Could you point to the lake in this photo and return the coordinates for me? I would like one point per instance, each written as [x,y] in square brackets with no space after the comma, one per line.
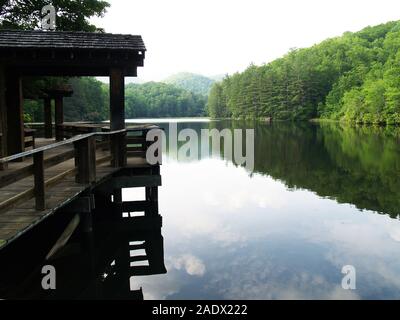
[321,197]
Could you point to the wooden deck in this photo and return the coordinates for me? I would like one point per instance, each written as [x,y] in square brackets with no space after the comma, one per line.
[18,213]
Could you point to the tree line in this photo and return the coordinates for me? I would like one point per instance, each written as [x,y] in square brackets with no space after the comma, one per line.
[156,100]
[90,101]
[355,77]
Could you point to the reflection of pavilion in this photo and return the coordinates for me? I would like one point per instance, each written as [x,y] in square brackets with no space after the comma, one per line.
[102,256]
[121,250]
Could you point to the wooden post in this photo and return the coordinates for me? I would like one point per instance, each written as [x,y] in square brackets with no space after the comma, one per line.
[117,99]
[117,116]
[152,195]
[85,160]
[59,115]
[117,195]
[118,150]
[48,120]
[15,121]
[152,199]
[38,170]
[3,118]
[87,222]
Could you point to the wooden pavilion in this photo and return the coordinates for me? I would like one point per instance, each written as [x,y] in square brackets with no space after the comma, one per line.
[67,54]
[85,172]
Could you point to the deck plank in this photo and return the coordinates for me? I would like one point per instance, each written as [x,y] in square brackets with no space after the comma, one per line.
[20,218]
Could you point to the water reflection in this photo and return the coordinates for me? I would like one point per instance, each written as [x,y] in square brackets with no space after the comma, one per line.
[356,165]
[320,197]
[97,265]
[286,230]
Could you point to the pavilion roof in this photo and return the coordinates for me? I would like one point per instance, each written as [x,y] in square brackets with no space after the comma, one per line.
[36,39]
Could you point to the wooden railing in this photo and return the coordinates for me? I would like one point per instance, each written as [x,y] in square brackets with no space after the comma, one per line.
[69,130]
[84,153]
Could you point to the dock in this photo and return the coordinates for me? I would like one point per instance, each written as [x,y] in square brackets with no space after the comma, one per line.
[63,187]
[67,174]
[39,177]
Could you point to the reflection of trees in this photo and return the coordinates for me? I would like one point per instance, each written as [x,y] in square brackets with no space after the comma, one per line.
[352,165]
[357,165]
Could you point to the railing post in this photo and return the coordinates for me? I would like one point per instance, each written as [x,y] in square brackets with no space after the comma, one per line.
[85,160]
[105,139]
[118,150]
[38,171]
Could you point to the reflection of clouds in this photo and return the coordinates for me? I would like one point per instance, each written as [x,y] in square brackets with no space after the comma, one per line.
[369,242]
[213,209]
[262,278]
[215,188]
[161,287]
[339,294]
[210,205]
[365,234]
[191,264]
[394,229]
[157,287]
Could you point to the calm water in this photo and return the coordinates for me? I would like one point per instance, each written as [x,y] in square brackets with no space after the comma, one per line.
[321,197]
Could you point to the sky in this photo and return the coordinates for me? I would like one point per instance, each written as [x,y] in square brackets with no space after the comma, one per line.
[215,37]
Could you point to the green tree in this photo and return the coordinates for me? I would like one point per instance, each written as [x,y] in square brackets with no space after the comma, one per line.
[354,77]
[71,15]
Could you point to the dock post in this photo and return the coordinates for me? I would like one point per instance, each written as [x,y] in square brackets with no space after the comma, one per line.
[117,116]
[87,216]
[3,118]
[87,222]
[15,121]
[85,160]
[118,150]
[38,170]
[48,121]
[152,199]
[117,195]
[59,115]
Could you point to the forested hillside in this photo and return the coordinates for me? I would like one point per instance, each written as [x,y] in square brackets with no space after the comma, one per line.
[90,102]
[355,77]
[155,99]
[192,82]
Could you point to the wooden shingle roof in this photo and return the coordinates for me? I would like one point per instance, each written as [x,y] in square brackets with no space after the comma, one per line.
[17,39]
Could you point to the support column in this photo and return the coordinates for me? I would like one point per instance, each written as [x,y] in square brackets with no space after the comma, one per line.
[117,195]
[48,119]
[117,116]
[59,115]
[3,117]
[15,121]
[117,99]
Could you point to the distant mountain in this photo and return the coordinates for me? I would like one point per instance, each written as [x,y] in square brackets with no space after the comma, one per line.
[218,77]
[192,82]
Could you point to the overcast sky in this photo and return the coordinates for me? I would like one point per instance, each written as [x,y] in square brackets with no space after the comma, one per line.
[213,37]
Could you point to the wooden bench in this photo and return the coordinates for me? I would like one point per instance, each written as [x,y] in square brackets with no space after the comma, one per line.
[29,138]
